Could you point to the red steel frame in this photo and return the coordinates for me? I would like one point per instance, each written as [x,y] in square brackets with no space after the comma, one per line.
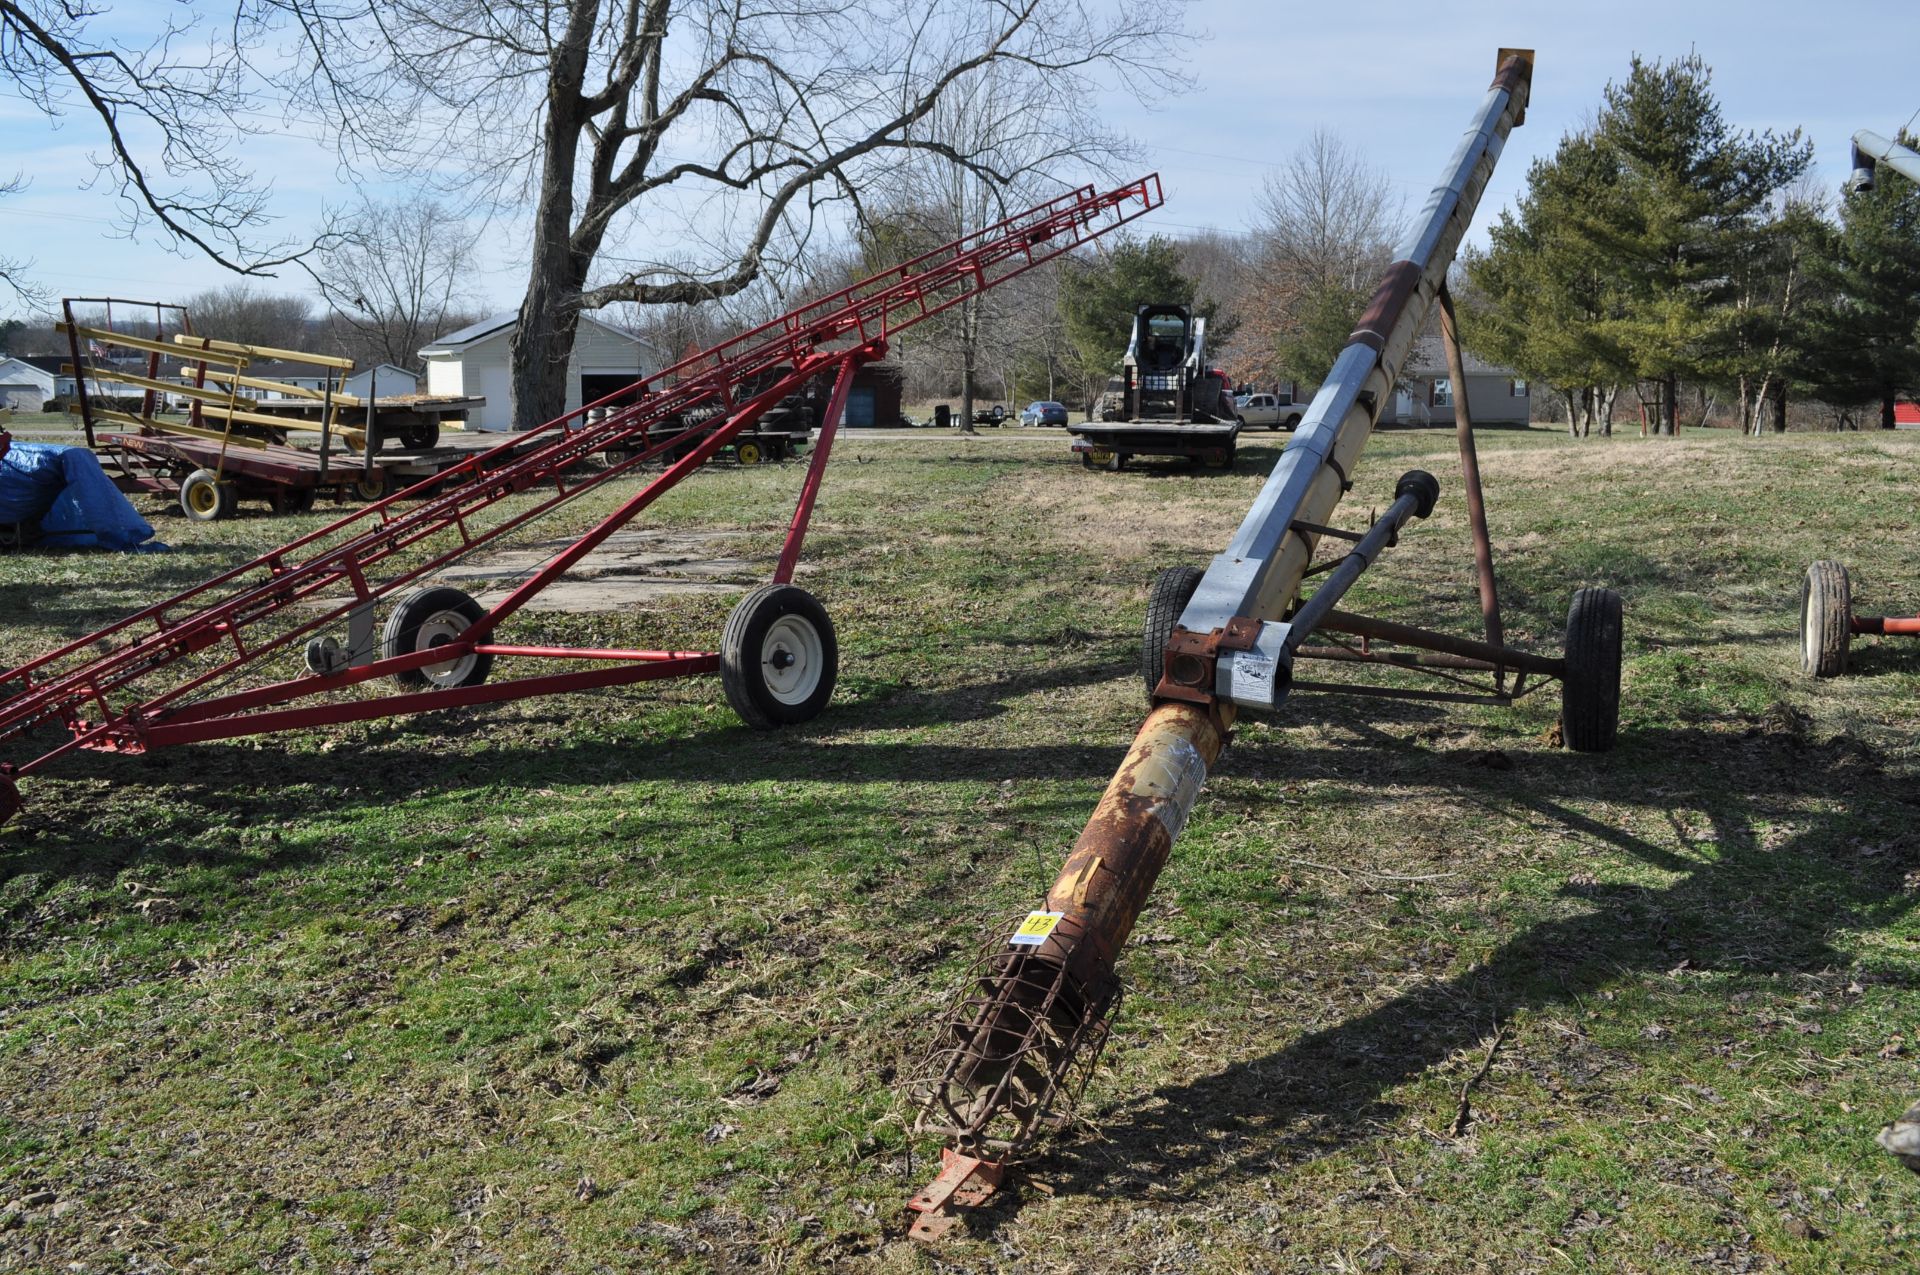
[98,674]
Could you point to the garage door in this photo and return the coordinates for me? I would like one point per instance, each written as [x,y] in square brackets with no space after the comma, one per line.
[860,405]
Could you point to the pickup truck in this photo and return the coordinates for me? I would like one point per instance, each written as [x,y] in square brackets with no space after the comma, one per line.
[1274,411]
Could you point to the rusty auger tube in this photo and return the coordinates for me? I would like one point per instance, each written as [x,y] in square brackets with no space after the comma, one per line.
[1020,1038]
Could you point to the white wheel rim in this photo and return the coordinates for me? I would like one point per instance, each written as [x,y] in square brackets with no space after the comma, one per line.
[792,658]
[1809,629]
[437,630]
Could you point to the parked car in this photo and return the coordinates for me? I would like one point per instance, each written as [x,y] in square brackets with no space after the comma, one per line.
[1044,414]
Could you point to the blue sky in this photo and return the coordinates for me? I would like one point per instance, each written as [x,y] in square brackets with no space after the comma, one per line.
[1396,80]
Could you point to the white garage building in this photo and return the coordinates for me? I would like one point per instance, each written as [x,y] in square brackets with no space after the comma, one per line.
[476,360]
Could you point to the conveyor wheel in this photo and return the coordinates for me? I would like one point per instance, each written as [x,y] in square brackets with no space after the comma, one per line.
[1172,590]
[427,618]
[1590,688]
[778,657]
[204,498]
[1826,620]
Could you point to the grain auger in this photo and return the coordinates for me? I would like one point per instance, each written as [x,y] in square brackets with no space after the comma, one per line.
[1016,1045]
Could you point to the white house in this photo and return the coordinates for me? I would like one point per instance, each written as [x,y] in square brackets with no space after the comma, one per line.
[1495,395]
[475,361]
[24,387]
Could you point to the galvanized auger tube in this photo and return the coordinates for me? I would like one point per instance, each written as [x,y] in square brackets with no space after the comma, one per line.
[1019,1040]
[1870,149]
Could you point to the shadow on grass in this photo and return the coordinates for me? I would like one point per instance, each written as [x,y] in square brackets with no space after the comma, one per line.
[1741,905]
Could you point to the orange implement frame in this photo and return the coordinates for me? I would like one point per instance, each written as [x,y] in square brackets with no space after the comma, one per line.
[163,675]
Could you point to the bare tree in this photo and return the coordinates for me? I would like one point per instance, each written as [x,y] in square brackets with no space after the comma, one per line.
[1328,225]
[14,271]
[241,312]
[395,272]
[680,149]
[169,113]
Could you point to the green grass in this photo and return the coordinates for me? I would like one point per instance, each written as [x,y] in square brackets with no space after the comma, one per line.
[610,982]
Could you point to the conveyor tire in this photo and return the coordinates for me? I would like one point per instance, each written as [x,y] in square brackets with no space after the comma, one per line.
[1826,619]
[1173,588]
[204,498]
[1590,688]
[778,657]
[432,617]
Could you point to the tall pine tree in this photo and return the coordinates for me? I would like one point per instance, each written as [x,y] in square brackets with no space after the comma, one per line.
[1677,220]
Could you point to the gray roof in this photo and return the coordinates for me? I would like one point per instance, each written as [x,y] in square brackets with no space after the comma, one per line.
[474,333]
[1429,358]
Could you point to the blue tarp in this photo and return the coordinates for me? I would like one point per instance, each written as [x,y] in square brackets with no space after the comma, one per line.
[70,496]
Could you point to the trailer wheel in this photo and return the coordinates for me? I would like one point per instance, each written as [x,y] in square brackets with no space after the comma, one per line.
[1826,619]
[293,500]
[374,484]
[1590,689]
[204,498]
[420,435]
[747,453]
[1173,588]
[427,618]
[778,657]
[1116,461]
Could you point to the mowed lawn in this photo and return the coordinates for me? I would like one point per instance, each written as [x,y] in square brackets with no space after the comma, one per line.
[609,982]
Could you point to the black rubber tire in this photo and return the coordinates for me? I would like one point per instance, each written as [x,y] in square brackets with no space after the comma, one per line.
[1590,689]
[748,452]
[1293,422]
[420,435]
[377,485]
[778,620]
[1826,619]
[293,500]
[430,617]
[1172,589]
[204,498]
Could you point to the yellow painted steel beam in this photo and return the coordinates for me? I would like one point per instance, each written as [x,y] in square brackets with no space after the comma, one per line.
[260,351]
[291,391]
[170,427]
[108,337]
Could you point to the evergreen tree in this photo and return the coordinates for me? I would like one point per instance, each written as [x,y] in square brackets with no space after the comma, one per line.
[1539,292]
[1676,221]
[1099,295]
[1864,337]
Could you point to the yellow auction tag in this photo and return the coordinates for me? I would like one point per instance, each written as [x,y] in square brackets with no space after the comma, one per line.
[1034,930]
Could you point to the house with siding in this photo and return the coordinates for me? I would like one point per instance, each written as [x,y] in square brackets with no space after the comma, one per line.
[476,360]
[23,386]
[1425,396]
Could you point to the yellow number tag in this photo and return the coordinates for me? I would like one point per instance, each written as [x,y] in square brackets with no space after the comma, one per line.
[1034,930]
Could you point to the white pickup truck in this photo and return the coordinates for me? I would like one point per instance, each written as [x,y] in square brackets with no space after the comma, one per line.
[1275,411]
